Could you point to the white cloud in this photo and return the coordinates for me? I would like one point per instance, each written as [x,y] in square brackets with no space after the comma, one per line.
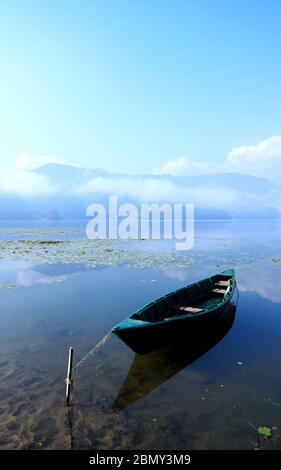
[26,161]
[25,183]
[184,166]
[176,273]
[149,190]
[24,274]
[262,159]
[263,280]
[27,278]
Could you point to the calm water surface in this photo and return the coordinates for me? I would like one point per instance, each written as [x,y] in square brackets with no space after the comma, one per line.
[123,401]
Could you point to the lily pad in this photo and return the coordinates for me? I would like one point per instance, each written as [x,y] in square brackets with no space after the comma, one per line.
[264,431]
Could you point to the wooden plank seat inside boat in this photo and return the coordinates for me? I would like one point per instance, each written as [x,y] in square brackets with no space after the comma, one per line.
[220,291]
[221,286]
[181,310]
[190,309]
[222,283]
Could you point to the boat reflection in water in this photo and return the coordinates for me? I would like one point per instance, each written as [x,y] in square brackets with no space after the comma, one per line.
[149,371]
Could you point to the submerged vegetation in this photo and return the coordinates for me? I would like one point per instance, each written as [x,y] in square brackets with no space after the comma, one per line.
[58,245]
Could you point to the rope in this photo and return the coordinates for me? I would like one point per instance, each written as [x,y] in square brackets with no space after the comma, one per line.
[94,350]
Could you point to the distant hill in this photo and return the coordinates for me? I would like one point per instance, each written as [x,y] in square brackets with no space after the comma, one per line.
[61,175]
[270,213]
[67,175]
[233,195]
[233,181]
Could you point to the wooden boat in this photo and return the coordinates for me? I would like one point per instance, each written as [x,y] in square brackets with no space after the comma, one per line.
[194,307]
[148,372]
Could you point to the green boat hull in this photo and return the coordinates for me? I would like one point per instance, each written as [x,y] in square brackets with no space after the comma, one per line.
[149,371]
[166,320]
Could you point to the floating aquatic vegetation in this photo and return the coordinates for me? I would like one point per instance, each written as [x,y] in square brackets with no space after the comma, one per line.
[275,260]
[67,246]
[264,436]
[265,431]
[8,285]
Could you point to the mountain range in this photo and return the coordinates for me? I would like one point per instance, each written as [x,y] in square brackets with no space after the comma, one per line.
[216,196]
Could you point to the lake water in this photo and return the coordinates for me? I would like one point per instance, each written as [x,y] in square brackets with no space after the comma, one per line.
[123,401]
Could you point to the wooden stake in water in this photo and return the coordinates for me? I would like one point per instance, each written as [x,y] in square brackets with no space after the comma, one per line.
[68,379]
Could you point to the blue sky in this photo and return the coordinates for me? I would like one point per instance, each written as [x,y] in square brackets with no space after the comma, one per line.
[130,85]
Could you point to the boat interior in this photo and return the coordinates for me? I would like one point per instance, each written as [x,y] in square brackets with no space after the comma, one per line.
[190,300]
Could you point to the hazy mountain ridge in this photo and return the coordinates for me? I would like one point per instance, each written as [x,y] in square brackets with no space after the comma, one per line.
[61,174]
[233,195]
